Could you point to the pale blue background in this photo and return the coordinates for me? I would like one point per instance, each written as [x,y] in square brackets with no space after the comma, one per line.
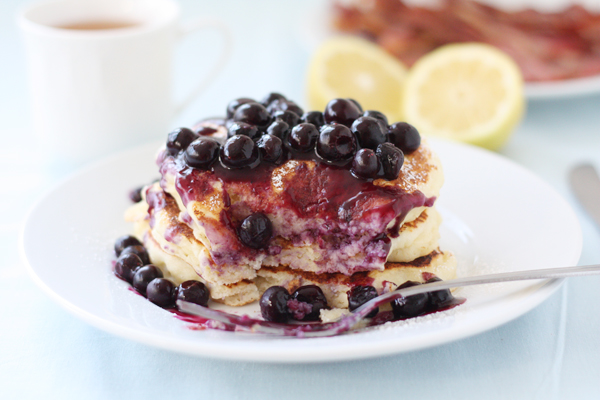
[553,352]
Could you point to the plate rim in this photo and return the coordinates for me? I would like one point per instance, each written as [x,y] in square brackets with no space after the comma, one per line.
[563,89]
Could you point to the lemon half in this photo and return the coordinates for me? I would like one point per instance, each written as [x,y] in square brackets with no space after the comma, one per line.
[351,67]
[468,92]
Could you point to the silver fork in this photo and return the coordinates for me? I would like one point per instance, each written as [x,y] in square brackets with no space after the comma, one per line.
[345,324]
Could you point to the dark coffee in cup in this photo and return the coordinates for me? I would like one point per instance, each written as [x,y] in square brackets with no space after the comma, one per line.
[98,25]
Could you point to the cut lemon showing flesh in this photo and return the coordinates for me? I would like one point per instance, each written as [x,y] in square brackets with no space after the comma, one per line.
[351,67]
[467,92]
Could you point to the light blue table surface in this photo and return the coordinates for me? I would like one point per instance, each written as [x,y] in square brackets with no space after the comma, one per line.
[552,352]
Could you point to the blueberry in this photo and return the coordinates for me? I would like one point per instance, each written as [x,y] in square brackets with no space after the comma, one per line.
[270,148]
[279,128]
[378,116]
[391,159]
[242,128]
[202,152]
[342,111]
[126,266]
[289,117]
[381,119]
[193,292]
[293,107]
[359,295]
[139,250]
[404,136]
[368,132]
[271,97]
[135,195]
[303,137]
[284,105]
[439,298]
[365,164]
[144,275]
[125,241]
[276,105]
[411,306]
[273,304]
[234,104]
[161,292]
[256,231]
[313,296]
[238,152]
[179,139]
[357,104]
[254,114]
[228,124]
[336,143]
[313,117]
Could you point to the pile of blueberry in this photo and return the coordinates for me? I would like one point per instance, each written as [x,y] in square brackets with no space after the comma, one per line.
[408,307]
[306,303]
[276,129]
[133,266]
[423,303]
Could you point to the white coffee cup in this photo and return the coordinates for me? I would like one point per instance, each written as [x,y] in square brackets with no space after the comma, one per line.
[101,71]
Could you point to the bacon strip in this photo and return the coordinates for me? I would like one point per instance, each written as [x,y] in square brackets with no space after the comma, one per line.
[547,46]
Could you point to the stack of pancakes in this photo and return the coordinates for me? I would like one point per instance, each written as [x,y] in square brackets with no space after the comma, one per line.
[188,222]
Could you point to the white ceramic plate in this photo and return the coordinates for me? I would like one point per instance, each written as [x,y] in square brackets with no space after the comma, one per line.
[563,89]
[315,26]
[498,217]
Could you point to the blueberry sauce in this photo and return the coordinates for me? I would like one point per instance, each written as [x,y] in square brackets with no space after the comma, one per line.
[348,210]
[200,323]
[333,186]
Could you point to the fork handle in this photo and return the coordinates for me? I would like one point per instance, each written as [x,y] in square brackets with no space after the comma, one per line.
[547,273]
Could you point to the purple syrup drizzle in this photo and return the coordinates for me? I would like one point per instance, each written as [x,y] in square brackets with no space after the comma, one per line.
[200,323]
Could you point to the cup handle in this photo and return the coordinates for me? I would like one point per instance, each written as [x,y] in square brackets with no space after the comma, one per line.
[196,25]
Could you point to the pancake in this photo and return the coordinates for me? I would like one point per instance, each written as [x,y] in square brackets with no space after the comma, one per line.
[173,247]
[329,228]
[308,204]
